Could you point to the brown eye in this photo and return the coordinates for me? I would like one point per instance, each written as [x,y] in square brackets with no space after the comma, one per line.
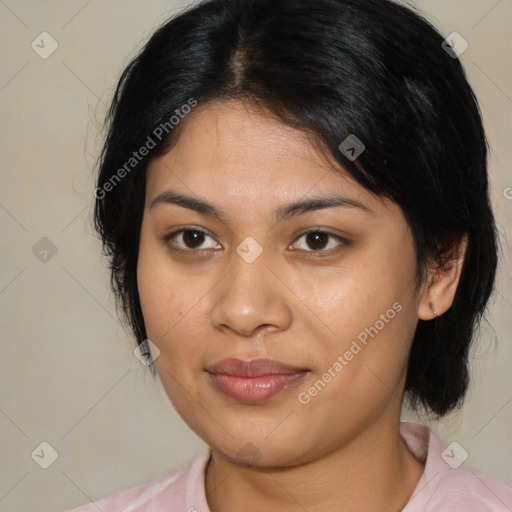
[191,240]
[317,240]
[320,242]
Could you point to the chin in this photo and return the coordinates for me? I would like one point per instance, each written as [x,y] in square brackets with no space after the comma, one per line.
[259,453]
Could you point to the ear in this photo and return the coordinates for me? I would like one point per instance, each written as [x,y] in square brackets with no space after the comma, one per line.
[441,282]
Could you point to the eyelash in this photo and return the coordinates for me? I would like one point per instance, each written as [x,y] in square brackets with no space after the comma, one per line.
[318,253]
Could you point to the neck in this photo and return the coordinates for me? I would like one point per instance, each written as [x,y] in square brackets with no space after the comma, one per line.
[374,471]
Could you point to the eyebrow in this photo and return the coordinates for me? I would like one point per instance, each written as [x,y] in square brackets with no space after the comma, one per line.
[284,212]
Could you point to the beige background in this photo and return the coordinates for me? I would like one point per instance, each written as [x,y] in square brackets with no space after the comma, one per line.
[67,372]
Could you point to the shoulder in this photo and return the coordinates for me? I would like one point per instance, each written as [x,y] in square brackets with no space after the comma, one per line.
[464,488]
[172,489]
[448,485]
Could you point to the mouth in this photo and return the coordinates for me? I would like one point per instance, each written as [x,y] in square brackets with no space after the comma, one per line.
[253,381]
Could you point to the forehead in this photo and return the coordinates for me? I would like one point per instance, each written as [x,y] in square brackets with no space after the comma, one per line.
[236,123]
[243,154]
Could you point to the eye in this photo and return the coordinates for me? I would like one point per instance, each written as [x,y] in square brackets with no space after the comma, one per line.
[320,241]
[190,240]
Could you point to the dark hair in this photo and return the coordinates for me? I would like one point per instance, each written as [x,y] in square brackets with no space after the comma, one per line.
[332,68]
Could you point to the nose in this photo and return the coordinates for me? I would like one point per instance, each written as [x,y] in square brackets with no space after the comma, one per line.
[250,299]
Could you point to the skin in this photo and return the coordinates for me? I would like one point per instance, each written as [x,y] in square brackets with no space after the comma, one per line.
[302,301]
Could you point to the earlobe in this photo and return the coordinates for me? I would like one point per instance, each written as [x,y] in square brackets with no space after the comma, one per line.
[443,280]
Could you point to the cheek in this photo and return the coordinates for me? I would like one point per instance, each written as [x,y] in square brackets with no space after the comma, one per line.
[370,309]
[164,301]
[363,368]
[355,297]
[163,294]
[173,309]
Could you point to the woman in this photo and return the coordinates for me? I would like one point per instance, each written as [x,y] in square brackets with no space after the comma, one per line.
[294,198]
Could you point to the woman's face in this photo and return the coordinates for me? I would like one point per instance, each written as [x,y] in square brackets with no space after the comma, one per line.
[339,307]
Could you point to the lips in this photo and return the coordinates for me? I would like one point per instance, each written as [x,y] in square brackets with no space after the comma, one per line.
[253,368]
[253,381]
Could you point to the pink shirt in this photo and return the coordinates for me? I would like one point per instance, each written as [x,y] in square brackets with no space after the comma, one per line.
[445,486]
